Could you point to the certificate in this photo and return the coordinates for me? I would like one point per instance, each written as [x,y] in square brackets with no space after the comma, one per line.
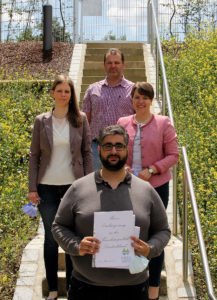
[114,230]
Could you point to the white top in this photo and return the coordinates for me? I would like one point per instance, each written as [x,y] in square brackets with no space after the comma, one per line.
[137,160]
[59,171]
[137,156]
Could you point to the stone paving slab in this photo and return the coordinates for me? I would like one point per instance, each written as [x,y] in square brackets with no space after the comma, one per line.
[31,263]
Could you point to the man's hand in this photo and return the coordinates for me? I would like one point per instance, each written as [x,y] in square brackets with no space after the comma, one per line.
[89,245]
[140,247]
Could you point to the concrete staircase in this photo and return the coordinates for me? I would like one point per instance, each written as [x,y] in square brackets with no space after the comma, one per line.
[61,277]
[94,71]
[62,280]
[94,68]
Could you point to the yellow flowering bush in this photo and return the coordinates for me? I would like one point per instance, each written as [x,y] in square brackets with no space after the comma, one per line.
[192,76]
[19,104]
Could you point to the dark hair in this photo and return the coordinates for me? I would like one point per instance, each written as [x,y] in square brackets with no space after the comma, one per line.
[114,51]
[73,115]
[113,130]
[143,88]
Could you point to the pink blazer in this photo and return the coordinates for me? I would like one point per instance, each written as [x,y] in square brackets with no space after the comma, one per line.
[42,143]
[159,146]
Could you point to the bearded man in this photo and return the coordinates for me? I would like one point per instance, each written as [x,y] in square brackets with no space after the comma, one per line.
[111,188]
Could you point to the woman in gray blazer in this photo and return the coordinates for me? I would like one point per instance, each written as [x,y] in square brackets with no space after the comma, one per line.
[60,152]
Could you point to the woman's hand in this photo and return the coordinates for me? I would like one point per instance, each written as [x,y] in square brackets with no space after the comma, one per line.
[144,174]
[128,169]
[89,245]
[140,247]
[34,198]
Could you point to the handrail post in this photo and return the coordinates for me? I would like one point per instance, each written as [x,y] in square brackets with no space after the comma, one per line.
[201,243]
[185,228]
[158,45]
[157,73]
[163,105]
[175,205]
[149,22]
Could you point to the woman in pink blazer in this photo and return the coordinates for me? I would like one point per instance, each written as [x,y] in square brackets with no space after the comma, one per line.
[60,153]
[152,151]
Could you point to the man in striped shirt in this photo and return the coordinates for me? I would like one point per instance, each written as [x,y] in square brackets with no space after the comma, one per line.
[107,100]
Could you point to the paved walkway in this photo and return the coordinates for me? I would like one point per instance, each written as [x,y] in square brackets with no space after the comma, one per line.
[32,271]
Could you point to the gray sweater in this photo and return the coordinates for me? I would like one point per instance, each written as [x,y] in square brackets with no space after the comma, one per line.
[75,216]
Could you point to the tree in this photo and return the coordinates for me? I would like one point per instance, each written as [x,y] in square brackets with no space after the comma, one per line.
[112,37]
[27,35]
[193,14]
[59,33]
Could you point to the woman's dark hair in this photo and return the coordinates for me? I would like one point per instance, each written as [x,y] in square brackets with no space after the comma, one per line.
[143,88]
[73,115]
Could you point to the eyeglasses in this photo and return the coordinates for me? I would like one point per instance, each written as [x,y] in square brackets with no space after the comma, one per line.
[109,146]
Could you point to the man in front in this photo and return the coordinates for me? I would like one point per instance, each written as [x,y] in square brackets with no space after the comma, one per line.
[111,188]
[109,99]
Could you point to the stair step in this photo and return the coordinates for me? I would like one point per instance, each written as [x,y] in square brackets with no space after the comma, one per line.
[62,279]
[61,285]
[98,65]
[61,260]
[93,66]
[128,71]
[105,45]
[128,51]
[163,284]
[99,57]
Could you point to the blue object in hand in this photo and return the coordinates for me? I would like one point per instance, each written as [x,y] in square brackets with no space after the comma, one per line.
[30,209]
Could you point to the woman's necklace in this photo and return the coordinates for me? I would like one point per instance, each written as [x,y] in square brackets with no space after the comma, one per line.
[143,122]
[59,116]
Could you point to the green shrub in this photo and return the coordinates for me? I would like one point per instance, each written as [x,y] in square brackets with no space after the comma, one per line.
[19,104]
[192,76]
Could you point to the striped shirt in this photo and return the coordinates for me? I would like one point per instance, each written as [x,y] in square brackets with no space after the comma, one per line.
[107,104]
[137,160]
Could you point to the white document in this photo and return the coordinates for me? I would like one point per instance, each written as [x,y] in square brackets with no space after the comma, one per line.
[137,231]
[114,230]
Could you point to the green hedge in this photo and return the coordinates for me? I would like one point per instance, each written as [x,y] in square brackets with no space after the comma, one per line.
[192,76]
[19,104]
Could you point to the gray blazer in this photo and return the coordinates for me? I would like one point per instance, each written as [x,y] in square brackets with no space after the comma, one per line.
[42,143]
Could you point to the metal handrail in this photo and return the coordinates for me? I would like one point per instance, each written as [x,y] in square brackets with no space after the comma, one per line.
[161,61]
[188,184]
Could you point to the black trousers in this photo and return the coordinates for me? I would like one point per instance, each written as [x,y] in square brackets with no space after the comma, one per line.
[156,263]
[51,196]
[82,291]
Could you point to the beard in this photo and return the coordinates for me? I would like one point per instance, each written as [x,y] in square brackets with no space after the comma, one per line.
[113,166]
